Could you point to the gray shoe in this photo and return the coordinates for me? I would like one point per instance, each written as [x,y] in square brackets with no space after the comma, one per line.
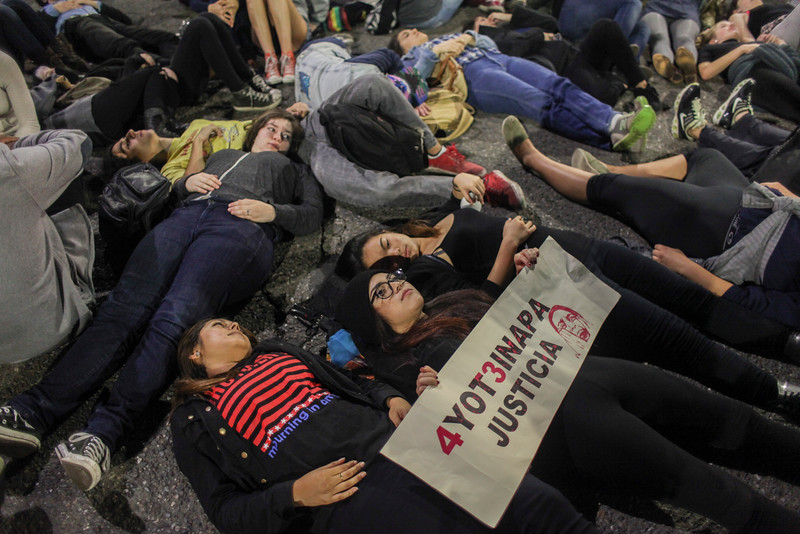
[85,458]
[248,99]
[584,161]
[18,438]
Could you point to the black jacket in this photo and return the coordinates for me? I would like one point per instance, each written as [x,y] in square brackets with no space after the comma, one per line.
[229,474]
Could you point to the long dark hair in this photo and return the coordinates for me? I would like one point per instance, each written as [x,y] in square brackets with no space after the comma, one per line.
[193,378]
[262,120]
[351,260]
[394,44]
[451,315]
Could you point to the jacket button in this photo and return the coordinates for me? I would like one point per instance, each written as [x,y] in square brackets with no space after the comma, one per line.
[263,480]
[222,431]
[191,417]
[208,408]
[244,455]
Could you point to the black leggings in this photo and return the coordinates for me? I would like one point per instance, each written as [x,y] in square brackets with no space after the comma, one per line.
[116,108]
[647,324]
[626,426]
[604,48]
[207,43]
[747,144]
[692,215]
[776,93]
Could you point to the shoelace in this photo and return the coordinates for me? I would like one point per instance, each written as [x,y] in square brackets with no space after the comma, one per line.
[17,421]
[94,449]
[453,152]
[697,114]
[261,84]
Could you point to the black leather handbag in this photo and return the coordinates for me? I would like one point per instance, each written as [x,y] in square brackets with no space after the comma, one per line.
[132,203]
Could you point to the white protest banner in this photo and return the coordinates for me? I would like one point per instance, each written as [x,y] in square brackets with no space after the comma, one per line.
[473,437]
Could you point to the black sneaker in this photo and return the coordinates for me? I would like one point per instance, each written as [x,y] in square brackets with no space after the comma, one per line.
[652,96]
[737,102]
[258,83]
[85,458]
[688,112]
[18,438]
[248,99]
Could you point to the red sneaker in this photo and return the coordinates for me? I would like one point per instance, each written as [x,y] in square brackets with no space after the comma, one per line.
[287,68]
[451,161]
[503,192]
[271,72]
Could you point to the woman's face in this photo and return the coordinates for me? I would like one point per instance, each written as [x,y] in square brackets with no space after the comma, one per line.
[389,244]
[396,302]
[274,136]
[408,39]
[222,344]
[483,21]
[137,145]
[725,31]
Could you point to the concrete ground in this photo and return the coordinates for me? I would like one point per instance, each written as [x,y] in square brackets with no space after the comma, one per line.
[144,492]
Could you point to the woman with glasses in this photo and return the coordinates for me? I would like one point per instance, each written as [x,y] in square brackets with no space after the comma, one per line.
[621,425]
[214,251]
[463,248]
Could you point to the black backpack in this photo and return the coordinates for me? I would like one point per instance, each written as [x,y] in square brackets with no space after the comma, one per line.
[372,140]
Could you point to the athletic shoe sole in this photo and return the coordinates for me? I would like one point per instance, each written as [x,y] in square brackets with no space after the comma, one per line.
[84,472]
[18,444]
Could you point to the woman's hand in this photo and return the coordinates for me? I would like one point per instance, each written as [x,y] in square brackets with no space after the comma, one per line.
[779,187]
[747,48]
[769,38]
[453,46]
[328,484]
[202,182]
[398,408]
[499,17]
[225,10]
[423,110]
[148,59]
[206,133]
[169,73]
[252,210]
[469,186]
[427,378]
[526,258]
[518,230]
[299,109]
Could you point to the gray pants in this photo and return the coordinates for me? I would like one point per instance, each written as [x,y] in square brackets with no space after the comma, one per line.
[344,180]
[682,32]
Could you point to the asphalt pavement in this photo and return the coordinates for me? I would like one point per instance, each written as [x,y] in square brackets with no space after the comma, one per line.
[144,492]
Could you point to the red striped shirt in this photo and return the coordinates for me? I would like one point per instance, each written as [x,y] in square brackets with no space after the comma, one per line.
[266,396]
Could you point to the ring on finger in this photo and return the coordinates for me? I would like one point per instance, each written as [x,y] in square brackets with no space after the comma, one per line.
[341,477]
[247,212]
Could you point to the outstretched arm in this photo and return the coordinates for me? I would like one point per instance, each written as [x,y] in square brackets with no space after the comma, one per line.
[677,261]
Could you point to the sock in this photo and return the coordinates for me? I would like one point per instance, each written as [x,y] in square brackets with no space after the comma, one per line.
[441,151]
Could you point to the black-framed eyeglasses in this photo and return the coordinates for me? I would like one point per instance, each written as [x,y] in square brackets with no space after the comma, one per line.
[384,289]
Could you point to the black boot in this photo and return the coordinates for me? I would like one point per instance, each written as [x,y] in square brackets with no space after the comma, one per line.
[650,93]
[63,49]
[156,119]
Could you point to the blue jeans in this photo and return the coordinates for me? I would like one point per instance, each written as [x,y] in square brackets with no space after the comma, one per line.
[190,266]
[502,84]
[577,17]
[449,8]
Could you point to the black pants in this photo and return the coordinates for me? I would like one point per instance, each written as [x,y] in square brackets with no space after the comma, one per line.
[99,37]
[120,106]
[391,500]
[747,144]
[692,215]
[776,93]
[604,48]
[650,323]
[22,33]
[627,426]
[207,43]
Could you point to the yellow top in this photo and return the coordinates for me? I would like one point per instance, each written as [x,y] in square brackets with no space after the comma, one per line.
[181,148]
